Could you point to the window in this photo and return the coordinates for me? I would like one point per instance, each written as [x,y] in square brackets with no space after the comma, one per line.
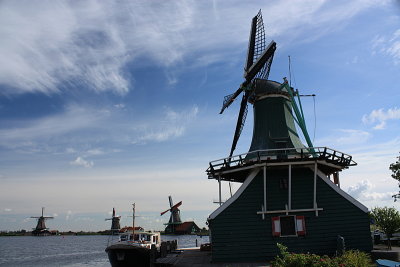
[288,226]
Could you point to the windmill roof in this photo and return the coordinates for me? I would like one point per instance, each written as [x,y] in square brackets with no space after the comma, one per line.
[184,226]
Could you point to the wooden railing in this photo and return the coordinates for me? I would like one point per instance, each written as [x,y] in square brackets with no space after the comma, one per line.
[285,154]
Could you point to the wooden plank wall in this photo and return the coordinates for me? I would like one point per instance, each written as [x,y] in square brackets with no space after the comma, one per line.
[240,235]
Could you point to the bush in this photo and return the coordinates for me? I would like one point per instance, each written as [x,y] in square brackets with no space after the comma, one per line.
[351,258]
[354,258]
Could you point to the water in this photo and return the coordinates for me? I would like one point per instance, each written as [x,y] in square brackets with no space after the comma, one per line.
[67,251]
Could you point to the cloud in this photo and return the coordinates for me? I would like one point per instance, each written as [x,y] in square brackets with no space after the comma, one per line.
[359,188]
[70,150]
[353,136]
[90,44]
[85,131]
[380,116]
[95,152]
[69,215]
[79,161]
[7,209]
[162,134]
[388,45]
[344,137]
[38,134]
[362,191]
[44,47]
[121,106]
[172,126]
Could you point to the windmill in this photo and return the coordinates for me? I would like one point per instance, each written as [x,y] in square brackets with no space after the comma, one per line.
[175,218]
[41,228]
[285,184]
[115,226]
[256,90]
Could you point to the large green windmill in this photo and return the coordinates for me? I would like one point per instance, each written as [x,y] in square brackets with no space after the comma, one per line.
[277,110]
[279,132]
[286,194]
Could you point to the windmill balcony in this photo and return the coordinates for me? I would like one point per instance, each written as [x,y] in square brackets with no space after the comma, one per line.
[330,161]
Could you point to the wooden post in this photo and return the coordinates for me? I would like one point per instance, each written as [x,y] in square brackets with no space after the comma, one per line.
[290,188]
[315,188]
[336,180]
[133,221]
[265,188]
[220,197]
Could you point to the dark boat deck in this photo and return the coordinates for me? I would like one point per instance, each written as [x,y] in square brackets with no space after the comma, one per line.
[197,258]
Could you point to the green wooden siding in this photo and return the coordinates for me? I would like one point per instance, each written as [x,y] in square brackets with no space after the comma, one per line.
[240,235]
[273,122]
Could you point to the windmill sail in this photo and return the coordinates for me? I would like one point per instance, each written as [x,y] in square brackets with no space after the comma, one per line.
[256,40]
[257,66]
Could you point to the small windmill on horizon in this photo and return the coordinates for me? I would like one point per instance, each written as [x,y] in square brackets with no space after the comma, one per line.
[41,228]
[115,225]
[175,217]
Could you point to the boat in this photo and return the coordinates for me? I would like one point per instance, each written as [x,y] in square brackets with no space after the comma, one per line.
[134,248]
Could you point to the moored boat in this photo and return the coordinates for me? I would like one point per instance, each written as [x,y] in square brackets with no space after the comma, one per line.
[134,248]
[138,249]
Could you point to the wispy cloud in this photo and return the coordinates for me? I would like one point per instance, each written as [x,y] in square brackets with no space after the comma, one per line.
[380,116]
[89,44]
[172,126]
[80,161]
[33,135]
[69,215]
[388,45]
[94,152]
[161,135]
[119,105]
[345,137]
[85,131]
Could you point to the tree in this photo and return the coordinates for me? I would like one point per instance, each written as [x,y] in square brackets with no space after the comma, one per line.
[395,168]
[387,220]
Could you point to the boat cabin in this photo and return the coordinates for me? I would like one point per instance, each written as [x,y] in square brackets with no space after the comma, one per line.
[145,238]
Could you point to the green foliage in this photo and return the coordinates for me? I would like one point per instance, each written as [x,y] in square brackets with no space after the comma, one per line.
[350,258]
[395,168]
[387,220]
[353,258]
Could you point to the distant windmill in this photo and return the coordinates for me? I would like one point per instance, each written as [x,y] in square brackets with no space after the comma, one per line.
[115,226]
[41,228]
[175,218]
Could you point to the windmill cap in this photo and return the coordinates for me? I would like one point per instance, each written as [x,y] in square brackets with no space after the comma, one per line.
[264,88]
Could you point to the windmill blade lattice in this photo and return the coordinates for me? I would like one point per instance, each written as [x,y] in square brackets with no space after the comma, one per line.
[257,66]
[240,122]
[256,41]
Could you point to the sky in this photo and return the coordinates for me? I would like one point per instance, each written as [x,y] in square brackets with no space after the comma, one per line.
[108,103]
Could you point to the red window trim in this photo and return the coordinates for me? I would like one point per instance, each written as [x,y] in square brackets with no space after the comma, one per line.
[298,219]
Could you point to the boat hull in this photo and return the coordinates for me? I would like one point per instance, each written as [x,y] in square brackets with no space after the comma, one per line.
[124,255]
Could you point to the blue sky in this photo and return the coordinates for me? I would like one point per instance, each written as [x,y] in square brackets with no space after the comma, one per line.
[106,103]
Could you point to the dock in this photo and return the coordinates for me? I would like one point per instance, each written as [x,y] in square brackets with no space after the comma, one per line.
[196,258]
